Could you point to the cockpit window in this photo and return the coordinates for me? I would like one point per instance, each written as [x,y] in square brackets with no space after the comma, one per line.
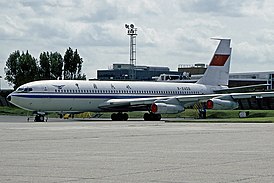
[24,89]
[20,89]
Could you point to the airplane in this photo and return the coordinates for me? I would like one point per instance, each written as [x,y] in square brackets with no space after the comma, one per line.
[120,97]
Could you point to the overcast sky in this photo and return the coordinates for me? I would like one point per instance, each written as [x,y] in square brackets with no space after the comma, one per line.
[170,32]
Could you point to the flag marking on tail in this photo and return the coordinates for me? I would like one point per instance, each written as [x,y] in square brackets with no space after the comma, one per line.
[219,60]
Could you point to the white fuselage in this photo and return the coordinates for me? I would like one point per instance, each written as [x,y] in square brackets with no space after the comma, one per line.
[72,96]
[81,96]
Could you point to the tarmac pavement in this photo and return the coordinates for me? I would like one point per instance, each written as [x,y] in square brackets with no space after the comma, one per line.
[134,151]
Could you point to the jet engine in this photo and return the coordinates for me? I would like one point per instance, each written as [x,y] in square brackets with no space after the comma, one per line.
[163,108]
[221,104]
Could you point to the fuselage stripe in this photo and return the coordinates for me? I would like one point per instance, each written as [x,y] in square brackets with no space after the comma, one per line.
[85,96]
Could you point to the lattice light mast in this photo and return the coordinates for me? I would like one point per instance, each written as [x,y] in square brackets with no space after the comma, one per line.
[132,32]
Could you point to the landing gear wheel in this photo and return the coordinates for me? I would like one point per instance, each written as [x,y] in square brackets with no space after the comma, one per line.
[39,118]
[119,116]
[114,117]
[146,117]
[158,117]
[125,116]
[152,117]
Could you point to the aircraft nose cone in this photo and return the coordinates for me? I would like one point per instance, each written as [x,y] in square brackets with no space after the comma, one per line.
[9,97]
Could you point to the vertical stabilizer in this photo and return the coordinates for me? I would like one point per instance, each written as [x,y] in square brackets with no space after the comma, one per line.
[217,73]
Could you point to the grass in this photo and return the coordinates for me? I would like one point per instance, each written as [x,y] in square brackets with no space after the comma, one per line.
[12,111]
[254,116]
[189,115]
[15,111]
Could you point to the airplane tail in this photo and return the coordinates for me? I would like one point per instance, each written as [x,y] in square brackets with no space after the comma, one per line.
[217,73]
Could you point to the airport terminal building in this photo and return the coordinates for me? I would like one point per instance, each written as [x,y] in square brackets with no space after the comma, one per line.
[124,71]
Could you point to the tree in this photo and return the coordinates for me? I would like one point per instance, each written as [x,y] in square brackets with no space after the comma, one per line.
[56,63]
[21,68]
[69,68]
[44,70]
[73,65]
[11,68]
[50,65]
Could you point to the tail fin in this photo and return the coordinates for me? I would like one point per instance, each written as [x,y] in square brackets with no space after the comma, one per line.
[217,72]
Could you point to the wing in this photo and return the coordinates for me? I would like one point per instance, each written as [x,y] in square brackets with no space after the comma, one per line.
[175,104]
[254,100]
[136,104]
[144,104]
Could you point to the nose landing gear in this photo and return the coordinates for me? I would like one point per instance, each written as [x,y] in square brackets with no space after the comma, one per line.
[38,117]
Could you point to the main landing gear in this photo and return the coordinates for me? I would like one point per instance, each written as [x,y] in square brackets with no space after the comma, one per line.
[119,116]
[152,117]
[124,117]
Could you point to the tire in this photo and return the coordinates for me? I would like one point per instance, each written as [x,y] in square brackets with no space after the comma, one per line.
[114,116]
[42,118]
[125,116]
[157,117]
[146,116]
[39,118]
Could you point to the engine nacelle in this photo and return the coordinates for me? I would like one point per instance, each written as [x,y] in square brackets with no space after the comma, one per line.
[163,108]
[221,104]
